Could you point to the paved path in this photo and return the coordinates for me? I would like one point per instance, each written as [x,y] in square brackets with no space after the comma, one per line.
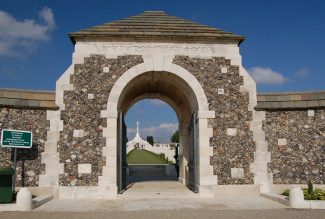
[149,199]
[165,204]
[179,214]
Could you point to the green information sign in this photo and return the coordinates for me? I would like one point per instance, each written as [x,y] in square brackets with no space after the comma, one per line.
[16,138]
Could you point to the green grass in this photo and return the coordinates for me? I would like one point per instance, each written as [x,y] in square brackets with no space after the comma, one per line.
[144,157]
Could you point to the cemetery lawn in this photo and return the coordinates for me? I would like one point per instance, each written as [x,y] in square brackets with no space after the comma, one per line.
[144,157]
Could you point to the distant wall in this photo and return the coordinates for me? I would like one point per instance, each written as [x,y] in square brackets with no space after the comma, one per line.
[295,131]
[26,110]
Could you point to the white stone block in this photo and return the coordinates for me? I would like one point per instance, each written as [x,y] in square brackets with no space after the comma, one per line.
[224,70]
[111,161]
[48,180]
[103,113]
[206,114]
[78,133]
[237,173]
[221,91]
[232,131]
[84,168]
[296,198]
[109,170]
[311,113]
[158,60]
[24,200]
[282,141]
[91,96]
[106,69]
[56,125]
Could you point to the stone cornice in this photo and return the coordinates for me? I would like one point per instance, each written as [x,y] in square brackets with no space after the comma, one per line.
[265,101]
[14,98]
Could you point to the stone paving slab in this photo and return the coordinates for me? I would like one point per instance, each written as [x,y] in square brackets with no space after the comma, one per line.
[179,214]
[166,204]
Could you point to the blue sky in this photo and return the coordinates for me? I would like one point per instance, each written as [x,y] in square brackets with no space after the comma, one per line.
[284,48]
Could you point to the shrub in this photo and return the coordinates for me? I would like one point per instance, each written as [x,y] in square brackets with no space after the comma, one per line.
[316,194]
[286,192]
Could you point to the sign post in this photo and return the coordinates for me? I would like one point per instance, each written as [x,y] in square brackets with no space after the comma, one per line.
[16,139]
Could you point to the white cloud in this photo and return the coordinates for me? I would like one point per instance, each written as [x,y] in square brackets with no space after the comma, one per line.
[266,76]
[157,102]
[161,132]
[17,36]
[302,73]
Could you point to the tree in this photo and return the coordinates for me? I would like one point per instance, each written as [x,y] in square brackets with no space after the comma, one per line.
[150,140]
[175,137]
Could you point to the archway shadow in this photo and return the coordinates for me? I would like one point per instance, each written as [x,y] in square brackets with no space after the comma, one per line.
[134,179]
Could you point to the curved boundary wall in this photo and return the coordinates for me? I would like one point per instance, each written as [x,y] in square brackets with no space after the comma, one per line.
[294,126]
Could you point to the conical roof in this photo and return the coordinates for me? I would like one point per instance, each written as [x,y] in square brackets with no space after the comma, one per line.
[155,26]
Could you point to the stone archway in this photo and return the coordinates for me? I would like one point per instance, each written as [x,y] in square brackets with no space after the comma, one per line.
[128,89]
[171,89]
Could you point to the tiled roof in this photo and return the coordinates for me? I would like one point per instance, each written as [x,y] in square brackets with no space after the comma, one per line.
[27,99]
[155,26]
[290,100]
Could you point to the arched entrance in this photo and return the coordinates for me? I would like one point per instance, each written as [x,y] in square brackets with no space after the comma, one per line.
[173,90]
[182,91]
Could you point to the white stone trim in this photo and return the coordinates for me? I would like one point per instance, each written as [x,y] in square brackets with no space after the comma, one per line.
[220,91]
[231,131]
[206,115]
[261,156]
[142,68]
[114,49]
[224,70]
[106,69]
[157,57]
[84,168]
[311,113]
[282,141]
[78,133]
[161,62]
[237,173]
[91,96]
[50,156]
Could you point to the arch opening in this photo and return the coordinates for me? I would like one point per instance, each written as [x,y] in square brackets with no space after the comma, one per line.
[173,90]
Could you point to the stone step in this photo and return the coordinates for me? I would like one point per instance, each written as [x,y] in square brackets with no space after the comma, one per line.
[157,189]
[149,195]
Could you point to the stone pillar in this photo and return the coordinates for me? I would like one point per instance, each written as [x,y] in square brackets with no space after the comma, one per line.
[205,179]
[108,181]
[183,155]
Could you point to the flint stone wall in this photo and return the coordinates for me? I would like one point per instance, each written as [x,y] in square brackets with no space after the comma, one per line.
[29,164]
[221,83]
[92,82]
[301,156]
